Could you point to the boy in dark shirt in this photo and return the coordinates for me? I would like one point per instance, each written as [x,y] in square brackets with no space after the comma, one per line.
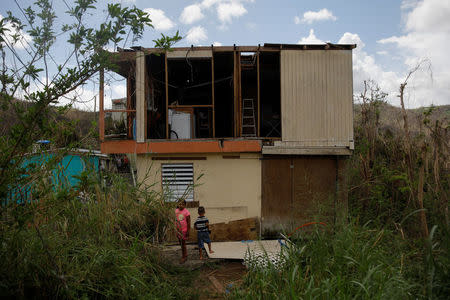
[202,227]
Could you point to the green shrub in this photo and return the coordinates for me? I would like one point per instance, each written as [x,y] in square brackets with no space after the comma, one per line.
[96,246]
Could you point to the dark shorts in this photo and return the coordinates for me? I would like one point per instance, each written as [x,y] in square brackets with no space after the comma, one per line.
[203,237]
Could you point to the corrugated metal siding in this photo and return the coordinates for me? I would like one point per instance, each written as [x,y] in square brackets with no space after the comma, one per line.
[316,98]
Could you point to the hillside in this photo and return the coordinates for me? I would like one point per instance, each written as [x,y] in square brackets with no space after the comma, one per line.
[390,117]
[80,121]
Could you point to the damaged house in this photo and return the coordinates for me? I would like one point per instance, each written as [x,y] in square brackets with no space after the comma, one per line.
[260,132]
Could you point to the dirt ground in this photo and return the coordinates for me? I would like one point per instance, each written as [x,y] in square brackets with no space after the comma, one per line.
[213,277]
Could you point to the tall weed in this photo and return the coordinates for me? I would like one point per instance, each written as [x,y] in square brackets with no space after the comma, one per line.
[353,262]
[93,242]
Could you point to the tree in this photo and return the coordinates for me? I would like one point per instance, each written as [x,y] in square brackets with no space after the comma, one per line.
[34,74]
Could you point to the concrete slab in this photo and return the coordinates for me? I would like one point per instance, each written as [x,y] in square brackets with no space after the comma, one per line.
[238,250]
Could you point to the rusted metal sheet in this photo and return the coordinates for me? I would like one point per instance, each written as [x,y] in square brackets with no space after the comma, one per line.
[316,97]
[297,190]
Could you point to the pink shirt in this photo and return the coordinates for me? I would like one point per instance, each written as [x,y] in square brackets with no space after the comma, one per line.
[181,219]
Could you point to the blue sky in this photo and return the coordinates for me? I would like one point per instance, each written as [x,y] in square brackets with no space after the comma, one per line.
[392,35]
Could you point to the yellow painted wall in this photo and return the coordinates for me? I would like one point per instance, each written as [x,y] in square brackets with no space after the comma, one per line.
[230,189]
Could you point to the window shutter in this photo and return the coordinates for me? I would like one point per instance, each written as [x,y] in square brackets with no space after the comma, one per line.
[178,181]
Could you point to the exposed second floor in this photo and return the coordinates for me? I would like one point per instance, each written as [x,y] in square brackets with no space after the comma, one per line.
[284,98]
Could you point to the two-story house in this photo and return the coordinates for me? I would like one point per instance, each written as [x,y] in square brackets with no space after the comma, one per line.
[260,131]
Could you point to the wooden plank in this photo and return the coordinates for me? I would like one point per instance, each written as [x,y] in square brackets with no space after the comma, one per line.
[298,150]
[146,92]
[189,106]
[186,158]
[235,94]
[238,230]
[258,97]
[231,156]
[220,289]
[129,116]
[140,97]
[167,95]
[120,110]
[239,95]
[101,121]
[182,146]
[177,53]
[244,229]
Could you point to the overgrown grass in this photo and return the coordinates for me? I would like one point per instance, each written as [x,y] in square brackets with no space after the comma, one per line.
[354,262]
[97,246]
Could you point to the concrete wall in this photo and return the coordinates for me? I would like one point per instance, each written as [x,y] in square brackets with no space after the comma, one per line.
[229,188]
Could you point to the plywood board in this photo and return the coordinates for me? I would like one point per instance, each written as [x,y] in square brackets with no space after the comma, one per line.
[297,190]
[276,191]
[237,250]
[244,229]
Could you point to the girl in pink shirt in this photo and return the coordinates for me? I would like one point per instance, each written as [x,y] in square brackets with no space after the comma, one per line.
[183,221]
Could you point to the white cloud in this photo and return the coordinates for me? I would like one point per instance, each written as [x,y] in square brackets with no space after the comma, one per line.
[159,19]
[427,35]
[191,14]
[196,34]
[217,44]
[22,43]
[226,11]
[366,68]
[311,39]
[382,52]
[322,15]
[229,10]
[209,3]
[297,20]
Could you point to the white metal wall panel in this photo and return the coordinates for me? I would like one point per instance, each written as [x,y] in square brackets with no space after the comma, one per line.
[317,98]
[178,181]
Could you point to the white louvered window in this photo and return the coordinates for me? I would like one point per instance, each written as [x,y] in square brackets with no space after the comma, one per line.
[178,181]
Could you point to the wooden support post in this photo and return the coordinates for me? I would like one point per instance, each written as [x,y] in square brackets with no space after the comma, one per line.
[141,109]
[167,95]
[213,100]
[129,114]
[239,86]
[237,93]
[258,117]
[101,120]
[234,94]
[146,94]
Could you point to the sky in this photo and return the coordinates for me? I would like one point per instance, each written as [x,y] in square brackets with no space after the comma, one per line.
[392,36]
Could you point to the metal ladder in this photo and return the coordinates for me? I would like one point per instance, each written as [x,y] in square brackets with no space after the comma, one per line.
[248,121]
